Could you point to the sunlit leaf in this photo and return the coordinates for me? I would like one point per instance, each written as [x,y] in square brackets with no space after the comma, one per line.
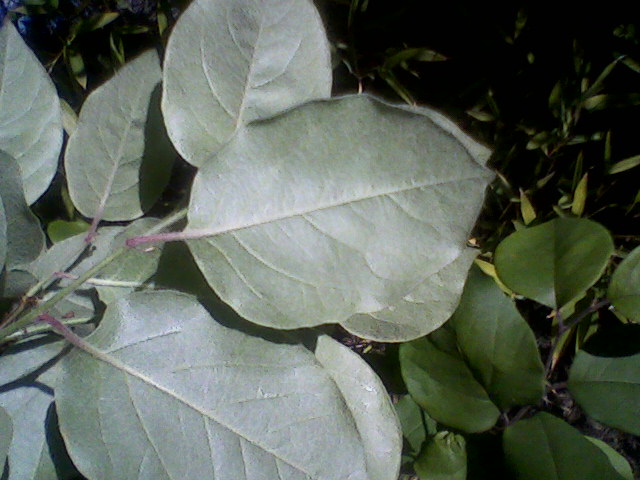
[608,389]
[118,160]
[626,164]
[624,288]
[580,196]
[30,122]
[526,208]
[229,63]
[24,236]
[546,448]
[556,262]
[174,394]
[336,209]
[36,449]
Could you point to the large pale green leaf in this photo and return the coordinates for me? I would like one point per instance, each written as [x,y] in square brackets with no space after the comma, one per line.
[36,449]
[608,389]
[420,312]
[497,343]
[161,390]
[546,448]
[440,381]
[554,263]
[624,289]
[228,63]
[6,433]
[30,121]
[444,457]
[337,208]
[25,238]
[119,159]
[27,356]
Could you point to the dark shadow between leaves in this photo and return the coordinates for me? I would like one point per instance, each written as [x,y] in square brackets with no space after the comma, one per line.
[158,155]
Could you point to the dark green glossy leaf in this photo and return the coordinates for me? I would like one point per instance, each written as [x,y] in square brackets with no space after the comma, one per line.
[497,343]
[608,389]
[444,457]
[556,262]
[546,448]
[624,288]
[59,230]
[416,424]
[618,462]
[440,381]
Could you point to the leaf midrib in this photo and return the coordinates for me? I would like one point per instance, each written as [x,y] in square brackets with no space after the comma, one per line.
[205,232]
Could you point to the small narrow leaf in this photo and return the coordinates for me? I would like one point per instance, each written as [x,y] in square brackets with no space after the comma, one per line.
[526,209]
[178,395]
[439,380]
[556,262]
[24,237]
[497,344]
[546,448]
[30,122]
[444,457]
[624,288]
[229,63]
[626,164]
[608,389]
[336,209]
[118,159]
[580,196]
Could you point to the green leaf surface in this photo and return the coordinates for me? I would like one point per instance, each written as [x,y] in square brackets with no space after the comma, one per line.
[118,159]
[624,288]
[608,389]
[443,458]
[36,450]
[556,262]
[228,63]
[59,230]
[6,433]
[440,381]
[546,448]
[335,209]
[421,311]
[223,403]
[30,121]
[27,356]
[25,239]
[416,424]
[497,344]
[618,462]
